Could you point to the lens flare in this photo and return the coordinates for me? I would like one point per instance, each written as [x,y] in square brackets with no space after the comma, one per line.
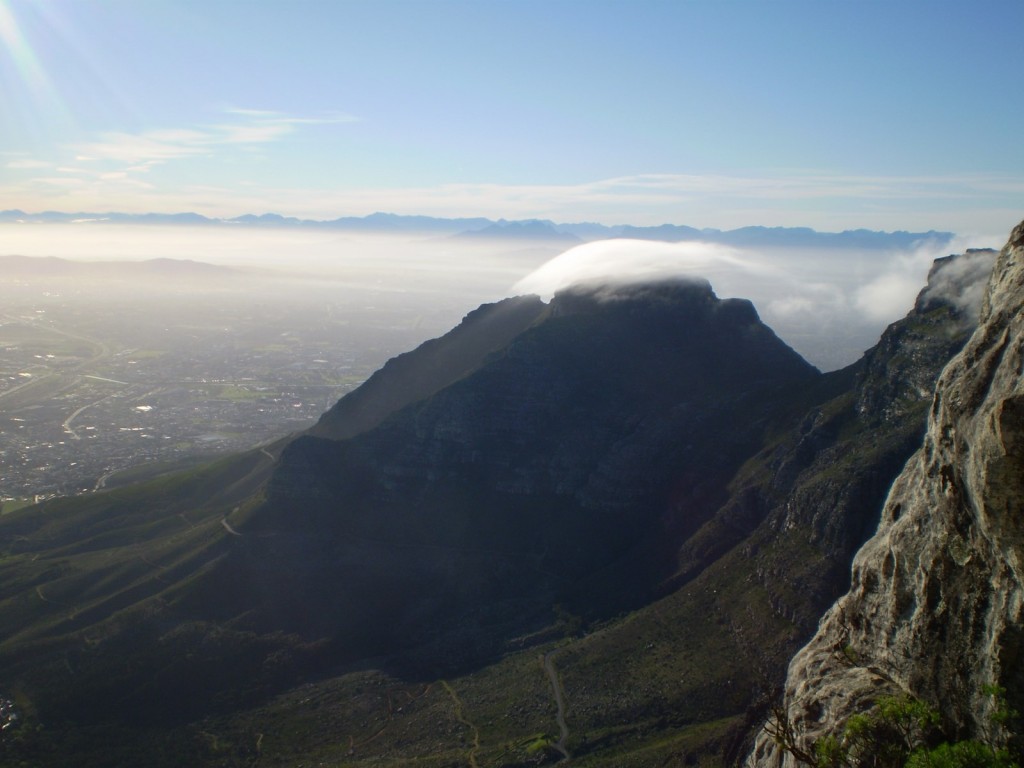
[20,53]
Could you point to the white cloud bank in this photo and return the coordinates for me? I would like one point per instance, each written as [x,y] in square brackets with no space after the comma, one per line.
[830,305]
[624,261]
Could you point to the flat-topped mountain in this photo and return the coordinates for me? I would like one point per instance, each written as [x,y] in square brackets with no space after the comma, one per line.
[530,481]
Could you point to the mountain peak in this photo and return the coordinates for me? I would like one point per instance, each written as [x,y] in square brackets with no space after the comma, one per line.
[560,428]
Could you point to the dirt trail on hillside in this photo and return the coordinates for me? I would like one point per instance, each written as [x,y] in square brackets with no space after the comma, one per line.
[556,685]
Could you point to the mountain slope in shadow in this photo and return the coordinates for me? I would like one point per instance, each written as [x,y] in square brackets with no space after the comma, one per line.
[651,463]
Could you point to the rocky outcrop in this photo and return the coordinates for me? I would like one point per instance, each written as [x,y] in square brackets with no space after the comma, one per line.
[851,449]
[934,607]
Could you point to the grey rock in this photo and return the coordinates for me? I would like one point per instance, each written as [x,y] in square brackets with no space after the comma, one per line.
[934,608]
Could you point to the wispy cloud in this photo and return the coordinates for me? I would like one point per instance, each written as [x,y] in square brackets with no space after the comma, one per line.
[802,185]
[28,165]
[140,151]
[60,182]
[115,166]
[256,113]
[271,116]
[261,126]
[159,146]
[152,146]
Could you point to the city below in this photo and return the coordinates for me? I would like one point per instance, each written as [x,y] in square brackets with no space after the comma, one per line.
[147,379]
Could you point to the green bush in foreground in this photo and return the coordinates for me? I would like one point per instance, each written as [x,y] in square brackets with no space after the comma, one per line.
[903,732]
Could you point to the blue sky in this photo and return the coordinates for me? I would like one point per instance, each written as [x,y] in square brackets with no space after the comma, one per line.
[888,115]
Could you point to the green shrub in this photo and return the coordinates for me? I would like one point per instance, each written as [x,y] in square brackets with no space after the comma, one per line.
[962,754]
[903,732]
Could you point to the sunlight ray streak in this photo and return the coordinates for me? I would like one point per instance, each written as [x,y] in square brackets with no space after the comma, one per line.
[21,53]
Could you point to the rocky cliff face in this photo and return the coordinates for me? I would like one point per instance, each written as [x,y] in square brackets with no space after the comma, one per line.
[810,499]
[851,449]
[934,608]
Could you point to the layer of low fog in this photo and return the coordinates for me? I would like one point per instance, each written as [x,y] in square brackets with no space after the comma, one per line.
[829,305]
[418,286]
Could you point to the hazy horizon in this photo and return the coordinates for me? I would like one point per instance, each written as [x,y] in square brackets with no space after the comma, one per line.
[876,115]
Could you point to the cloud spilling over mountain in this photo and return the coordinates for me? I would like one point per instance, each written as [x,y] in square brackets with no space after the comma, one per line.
[627,262]
[830,304]
[962,282]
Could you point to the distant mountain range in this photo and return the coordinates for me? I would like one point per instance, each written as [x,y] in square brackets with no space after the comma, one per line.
[528,229]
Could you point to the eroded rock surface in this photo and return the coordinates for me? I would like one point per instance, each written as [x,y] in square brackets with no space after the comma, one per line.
[935,603]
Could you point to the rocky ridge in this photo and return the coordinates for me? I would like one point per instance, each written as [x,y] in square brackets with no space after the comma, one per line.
[934,608]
